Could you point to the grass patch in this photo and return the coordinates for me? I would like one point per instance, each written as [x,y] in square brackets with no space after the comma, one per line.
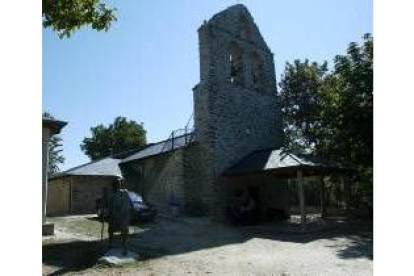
[88,226]
[137,264]
[78,225]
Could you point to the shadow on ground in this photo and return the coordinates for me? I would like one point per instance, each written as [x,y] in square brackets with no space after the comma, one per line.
[360,247]
[72,256]
[164,237]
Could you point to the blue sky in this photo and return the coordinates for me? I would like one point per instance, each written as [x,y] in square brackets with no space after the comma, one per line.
[145,67]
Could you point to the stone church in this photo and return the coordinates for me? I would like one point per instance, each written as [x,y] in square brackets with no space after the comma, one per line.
[235,114]
[233,147]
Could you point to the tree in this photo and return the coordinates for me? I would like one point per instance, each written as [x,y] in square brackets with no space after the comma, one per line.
[354,91]
[55,150]
[122,135]
[67,16]
[300,103]
[352,129]
[331,113]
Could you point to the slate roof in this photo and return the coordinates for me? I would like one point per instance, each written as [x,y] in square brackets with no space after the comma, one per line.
[273,159]
[105,167]
[159,148]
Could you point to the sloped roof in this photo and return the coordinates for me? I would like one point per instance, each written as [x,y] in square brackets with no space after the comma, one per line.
[273,159]
[159,148]
[54,125]
[105,167]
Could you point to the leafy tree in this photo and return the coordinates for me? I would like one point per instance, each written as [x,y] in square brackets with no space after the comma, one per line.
[122,135]
[352,129]
[354,91]
[300,103]
[331,113]
[67,16]
[55,150]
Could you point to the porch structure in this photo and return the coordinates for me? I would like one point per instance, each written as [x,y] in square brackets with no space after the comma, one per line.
[277,164]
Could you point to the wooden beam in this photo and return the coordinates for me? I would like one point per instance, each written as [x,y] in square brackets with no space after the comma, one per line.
[347,189]
[322,195]
[70,195]
[301,194]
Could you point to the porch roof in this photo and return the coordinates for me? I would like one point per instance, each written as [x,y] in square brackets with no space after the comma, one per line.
[282,162]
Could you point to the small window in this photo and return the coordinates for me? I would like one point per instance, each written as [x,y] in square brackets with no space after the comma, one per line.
[235,59]
[257,71]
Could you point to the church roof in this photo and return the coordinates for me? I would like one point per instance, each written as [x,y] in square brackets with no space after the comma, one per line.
[278,159]
[104,167]
[159,148]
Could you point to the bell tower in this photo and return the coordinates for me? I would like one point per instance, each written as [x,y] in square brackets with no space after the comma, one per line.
[235,103]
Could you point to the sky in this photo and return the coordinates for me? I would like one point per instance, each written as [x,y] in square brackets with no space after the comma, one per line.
[145,66]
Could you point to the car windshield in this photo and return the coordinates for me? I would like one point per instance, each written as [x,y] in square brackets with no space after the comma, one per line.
[134,197]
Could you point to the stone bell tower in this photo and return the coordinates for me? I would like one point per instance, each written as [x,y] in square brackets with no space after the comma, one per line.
[235,104]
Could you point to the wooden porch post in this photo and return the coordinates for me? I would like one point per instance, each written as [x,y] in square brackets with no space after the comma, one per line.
[322,195]
[70,195]
[301,199]
[347,188]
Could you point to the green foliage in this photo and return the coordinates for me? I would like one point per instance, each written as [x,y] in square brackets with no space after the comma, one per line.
[354,90]
[354,129]
[122,135]
[55,150]
[67,16]
[300,100]
[331,113]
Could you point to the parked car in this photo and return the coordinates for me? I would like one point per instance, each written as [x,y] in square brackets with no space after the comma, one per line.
[141,211]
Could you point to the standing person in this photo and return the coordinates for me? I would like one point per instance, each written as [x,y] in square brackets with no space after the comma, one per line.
[119,214]
[248,208]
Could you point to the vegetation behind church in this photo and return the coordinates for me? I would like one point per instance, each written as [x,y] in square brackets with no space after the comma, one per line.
[122,135]
[330,113]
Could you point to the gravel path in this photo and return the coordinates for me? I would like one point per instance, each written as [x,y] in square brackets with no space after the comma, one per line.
[198,247]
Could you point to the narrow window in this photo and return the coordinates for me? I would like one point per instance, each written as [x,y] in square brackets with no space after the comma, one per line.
[236,64]
[257,71]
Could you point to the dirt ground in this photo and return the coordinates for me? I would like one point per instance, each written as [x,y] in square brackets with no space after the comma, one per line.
[189,246]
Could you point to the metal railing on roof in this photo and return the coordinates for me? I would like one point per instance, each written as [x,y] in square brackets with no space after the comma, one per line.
[187,133]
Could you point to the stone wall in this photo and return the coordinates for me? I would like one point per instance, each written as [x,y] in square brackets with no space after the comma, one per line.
[194,177]
[58,199]
[76,194]
[159,179]
[86,190]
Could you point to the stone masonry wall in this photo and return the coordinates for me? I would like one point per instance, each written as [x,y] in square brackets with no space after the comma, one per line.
[86,190]
[58,197]
[160,180]
[76,194]
[194,175]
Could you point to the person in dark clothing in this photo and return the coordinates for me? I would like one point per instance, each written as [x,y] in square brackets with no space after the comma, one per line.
[119,211]
[248,209]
